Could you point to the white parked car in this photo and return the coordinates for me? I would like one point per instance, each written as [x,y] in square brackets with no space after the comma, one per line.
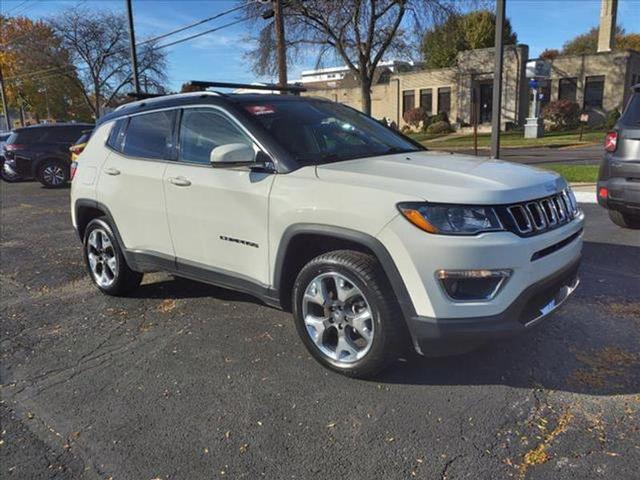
[373,242]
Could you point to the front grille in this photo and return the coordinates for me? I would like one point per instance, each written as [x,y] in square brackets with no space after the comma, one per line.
[541,215]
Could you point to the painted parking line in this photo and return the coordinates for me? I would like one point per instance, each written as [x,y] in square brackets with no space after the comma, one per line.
[586,197]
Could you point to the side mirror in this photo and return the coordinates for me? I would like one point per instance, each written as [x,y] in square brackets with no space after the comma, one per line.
[232,155]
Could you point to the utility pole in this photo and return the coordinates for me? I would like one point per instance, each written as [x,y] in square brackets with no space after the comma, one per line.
[132,43]
[3,94]
[280,43]
[496,109]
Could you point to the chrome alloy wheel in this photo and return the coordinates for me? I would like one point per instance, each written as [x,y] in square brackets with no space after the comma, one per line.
[53,175]
[102,258]
[337,317]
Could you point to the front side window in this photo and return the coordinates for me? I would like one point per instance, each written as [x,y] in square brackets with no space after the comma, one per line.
[150,135]
[202,130]
[567,88]
[317,131]
[594,91]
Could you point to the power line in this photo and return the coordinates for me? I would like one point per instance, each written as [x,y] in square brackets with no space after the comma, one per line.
[17,7]
[53,71]
[230,24]
[150,40]
[187,27]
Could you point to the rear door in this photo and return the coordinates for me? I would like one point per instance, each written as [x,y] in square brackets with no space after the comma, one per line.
[130,183]
[218,216]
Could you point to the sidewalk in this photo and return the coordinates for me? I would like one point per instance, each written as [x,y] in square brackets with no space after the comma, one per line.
[585,192]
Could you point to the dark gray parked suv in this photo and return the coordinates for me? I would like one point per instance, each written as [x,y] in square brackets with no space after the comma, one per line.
[619,179]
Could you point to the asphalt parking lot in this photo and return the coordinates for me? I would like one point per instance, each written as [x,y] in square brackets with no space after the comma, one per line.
[188,381]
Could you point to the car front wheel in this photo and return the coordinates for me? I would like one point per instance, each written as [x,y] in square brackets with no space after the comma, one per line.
[346,313]
[106,263]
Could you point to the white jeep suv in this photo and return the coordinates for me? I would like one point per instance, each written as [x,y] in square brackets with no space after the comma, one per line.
[373,242]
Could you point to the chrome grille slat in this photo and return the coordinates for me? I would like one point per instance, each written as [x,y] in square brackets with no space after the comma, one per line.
[544,214]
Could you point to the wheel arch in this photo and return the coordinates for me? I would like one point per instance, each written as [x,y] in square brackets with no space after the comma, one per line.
[302,242]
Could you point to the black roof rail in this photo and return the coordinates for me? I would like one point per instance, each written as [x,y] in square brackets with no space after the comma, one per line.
[295,89]
[144,95]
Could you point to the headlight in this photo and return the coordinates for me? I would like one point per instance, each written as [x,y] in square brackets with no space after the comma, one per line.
[451,219]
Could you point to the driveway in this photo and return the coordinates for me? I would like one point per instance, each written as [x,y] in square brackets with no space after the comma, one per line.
[189,381]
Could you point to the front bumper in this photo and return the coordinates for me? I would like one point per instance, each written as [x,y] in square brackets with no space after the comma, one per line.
[533,305]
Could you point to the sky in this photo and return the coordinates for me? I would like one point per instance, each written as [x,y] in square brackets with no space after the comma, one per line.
[219,56]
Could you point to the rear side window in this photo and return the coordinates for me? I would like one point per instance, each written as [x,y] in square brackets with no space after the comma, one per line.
[631,115]
[150,135]
[116,136]
[27,136]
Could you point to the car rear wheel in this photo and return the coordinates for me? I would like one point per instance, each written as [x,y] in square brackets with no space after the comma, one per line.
[346,313]
[624,220]
[105,262]
[53,174]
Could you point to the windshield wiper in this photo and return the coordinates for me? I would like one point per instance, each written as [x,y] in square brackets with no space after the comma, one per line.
[392,150]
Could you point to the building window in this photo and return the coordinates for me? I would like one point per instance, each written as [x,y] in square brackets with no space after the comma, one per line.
[426,100]
[408,101]
[593,91]
[567,88]
[544,92]
[444,100]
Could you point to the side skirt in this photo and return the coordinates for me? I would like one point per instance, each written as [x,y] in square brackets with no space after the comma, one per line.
[143,261]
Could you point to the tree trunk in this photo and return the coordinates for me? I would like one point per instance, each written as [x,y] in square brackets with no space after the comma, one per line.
[96,93]
[365,90]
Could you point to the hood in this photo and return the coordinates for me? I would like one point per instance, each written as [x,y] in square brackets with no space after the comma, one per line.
[445,178]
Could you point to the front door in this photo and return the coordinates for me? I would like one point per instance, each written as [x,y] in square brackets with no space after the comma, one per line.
[486,102]
[218,217]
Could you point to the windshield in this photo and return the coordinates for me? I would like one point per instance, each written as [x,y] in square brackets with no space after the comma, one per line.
[631,115]
[317,131]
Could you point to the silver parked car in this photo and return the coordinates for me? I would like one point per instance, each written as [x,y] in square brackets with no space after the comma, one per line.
[618,186]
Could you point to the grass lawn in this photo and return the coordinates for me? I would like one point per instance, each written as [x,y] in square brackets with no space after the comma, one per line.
[508,139]
[574,173]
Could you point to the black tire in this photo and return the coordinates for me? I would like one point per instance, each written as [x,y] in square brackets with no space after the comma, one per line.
[57,180]
[124,279]
[624,220]
[390,337]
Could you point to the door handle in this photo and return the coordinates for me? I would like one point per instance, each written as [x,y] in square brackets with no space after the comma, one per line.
[112,171]
[179,181]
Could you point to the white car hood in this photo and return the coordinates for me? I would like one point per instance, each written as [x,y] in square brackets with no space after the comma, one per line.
[445,178]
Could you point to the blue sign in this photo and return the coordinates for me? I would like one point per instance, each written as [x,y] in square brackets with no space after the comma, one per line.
[533,83]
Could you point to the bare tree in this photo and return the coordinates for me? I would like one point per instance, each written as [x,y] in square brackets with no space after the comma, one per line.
[99,45]
[359,32]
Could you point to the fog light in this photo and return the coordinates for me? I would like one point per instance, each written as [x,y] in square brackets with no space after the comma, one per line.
[470,285]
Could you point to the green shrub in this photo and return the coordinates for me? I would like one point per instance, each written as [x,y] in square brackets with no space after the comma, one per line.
[440,127]
[563,114]
[612,118]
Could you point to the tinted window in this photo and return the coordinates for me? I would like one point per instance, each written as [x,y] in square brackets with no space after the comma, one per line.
[567,89]
[315,131]
[28,135]
[202,130]
[64,134]
[426,100]
[408,101]
[116,135]
[150,135]
[444,100]
[593,91]
[631,115]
